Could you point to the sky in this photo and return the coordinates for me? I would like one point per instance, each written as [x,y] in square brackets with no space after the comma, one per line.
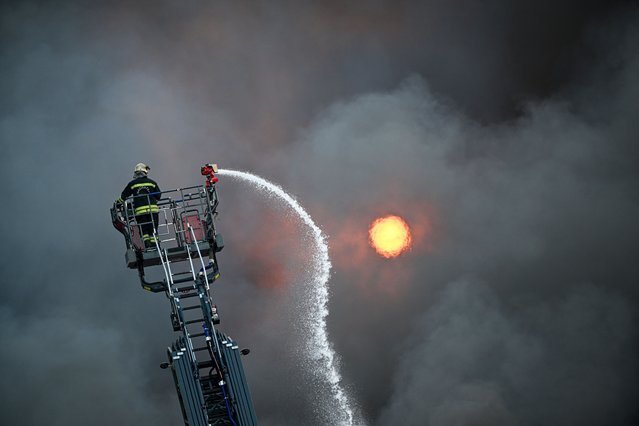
[504,133]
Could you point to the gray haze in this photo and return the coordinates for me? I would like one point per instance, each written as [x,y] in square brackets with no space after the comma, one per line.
[505,133]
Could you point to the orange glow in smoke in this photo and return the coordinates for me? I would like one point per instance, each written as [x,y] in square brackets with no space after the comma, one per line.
[389,236]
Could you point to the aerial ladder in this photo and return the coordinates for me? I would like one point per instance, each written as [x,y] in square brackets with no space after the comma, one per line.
[206,364]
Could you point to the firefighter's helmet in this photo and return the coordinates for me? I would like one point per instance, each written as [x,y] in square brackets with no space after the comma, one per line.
[142,168]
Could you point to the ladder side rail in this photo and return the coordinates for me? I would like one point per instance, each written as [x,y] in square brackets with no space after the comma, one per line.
[172,357]
[233,383]
[206,301]
[208,296]
[205,297]
[222,372]
[209,331]
[191,263]
[199,253]
[178,308]
[192,388]
[230,381]
[189,342]
[206,306]
[167,276]
[240,385]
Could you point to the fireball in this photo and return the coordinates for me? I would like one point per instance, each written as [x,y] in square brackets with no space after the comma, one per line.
[389,236]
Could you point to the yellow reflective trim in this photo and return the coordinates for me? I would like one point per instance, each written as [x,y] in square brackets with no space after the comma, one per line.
[147,209]
[141,185]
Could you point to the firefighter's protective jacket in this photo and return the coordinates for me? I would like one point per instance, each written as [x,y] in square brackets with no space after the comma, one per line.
[145,192]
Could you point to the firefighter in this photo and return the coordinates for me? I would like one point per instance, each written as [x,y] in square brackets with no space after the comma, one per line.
[146,194]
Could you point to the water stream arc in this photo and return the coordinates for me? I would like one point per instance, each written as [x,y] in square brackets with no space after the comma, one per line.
[317,342]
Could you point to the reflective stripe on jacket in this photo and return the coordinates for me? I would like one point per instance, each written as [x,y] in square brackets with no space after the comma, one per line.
[145,193]
[151,208]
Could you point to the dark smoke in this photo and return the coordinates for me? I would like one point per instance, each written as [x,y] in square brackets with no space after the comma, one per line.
[505,133]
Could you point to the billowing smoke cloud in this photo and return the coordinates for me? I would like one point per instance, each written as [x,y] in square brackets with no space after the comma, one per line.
[475,363]
[526,209]
[504,134]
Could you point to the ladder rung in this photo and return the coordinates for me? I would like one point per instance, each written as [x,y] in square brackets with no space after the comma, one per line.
[203,348]
[206,364]
[197,335]
[194,321]
[181,289]
[182,273]
[188,308]
[182,280]
[212,379]
[187,295]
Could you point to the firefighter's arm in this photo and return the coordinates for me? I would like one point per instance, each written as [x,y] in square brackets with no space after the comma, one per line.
[126,193]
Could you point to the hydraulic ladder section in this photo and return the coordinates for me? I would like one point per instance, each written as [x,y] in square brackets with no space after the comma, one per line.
[205,363]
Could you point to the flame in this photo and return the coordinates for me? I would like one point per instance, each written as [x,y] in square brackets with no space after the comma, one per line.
[389,236]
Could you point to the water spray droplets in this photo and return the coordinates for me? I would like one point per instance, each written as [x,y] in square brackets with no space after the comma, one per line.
[318,347]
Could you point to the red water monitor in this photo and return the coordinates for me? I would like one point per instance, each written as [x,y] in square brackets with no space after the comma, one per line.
[209,171]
